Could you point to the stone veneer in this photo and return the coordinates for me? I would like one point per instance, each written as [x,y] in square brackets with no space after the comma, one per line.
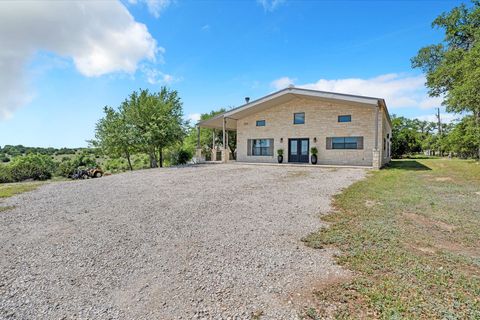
[321,121]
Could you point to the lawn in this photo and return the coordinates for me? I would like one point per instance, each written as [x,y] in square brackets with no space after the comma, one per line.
[11,189]
[411,235]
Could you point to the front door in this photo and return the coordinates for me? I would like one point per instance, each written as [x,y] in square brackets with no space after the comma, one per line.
[298,150]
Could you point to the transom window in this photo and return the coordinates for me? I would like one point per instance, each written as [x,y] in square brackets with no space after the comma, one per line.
[262,147]
[345,118]
[260,123]
[347,142]
[299,118]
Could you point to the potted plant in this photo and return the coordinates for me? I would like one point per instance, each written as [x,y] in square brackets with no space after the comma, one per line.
[314,152]
[280,155]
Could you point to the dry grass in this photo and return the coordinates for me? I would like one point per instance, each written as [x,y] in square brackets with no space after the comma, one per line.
[11,189]
[411,234]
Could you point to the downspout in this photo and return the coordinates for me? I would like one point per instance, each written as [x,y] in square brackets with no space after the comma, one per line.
[223,141]
[376,126]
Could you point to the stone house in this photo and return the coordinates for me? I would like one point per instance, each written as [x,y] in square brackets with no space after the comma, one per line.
[345,129]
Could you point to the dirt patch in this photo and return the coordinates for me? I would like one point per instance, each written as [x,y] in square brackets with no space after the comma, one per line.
[443,179]
[429,222]
[297,174]
[372,203]
[307,299]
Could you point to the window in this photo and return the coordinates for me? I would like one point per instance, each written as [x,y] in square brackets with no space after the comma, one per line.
[260,123]
[345,118]
[299,118]
[260,147]
[345,143]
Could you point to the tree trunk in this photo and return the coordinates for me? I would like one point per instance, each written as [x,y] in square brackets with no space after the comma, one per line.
[160,156]
[127,155]
[477,121]
[153,160]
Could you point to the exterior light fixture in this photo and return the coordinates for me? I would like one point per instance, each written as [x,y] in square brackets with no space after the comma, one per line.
[281,140]
[315,139]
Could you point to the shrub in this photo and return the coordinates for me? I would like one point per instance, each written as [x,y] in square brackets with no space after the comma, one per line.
[181,156]
[4,158]
[68,166]
[5,174]
[32,166]
[116,165]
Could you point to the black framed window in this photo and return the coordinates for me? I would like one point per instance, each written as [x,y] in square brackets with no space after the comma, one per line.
[262,147]
[345,118]
[299,118]
[260,123]
[346,142]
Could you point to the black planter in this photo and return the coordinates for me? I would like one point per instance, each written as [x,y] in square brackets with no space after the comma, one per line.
[313,158]
[280,159]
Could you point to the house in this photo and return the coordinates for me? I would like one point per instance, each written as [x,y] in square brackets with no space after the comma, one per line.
[346,129]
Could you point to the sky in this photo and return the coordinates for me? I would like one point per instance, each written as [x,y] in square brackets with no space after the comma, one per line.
[62,62]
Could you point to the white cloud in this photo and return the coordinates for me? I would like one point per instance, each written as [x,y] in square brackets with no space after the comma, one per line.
[193,117]
[282,83]
[444,117]
[270,5]
[206,28]
[155,7]
[100,37]
[399,90]
[155,76]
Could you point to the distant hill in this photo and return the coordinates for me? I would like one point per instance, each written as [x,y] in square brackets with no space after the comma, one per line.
[10,151]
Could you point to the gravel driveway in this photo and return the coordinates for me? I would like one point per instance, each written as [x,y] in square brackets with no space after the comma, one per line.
[207,242]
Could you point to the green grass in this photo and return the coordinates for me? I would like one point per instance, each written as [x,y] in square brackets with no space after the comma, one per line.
[11,189]
[411,234]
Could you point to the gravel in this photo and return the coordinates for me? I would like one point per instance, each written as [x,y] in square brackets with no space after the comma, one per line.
[199,242]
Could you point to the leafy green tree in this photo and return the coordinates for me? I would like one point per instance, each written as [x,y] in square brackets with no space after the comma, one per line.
[452,67]
[115,136]
[406,136]
[157,121]
[461,139]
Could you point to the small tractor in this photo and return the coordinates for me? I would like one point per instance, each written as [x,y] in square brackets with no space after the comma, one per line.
[87,173]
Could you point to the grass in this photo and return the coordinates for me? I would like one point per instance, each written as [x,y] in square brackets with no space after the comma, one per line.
[11,189]
[411,234]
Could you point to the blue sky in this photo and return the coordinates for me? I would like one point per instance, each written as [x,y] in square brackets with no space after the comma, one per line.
[62,69]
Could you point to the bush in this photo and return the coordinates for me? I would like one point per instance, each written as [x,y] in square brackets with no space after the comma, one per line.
[182,156]
[116,165]
[68,166]
[32,166]
[5,174]
[4,158]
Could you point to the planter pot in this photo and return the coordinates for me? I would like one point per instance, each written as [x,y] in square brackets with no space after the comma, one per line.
[313,158]
[280,159]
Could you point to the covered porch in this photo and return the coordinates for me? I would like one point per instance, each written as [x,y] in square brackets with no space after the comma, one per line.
[220,151]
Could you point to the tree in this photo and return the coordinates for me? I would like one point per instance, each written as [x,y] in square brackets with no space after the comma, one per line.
[157,119]
[460,140]
[406,136]
[452,67]
[115,136]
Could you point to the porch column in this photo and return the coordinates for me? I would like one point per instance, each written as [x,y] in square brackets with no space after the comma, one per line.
[214,150]
[224,149]
[198,152]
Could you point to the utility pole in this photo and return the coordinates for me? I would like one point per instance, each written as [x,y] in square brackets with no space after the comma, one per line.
[439,131]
